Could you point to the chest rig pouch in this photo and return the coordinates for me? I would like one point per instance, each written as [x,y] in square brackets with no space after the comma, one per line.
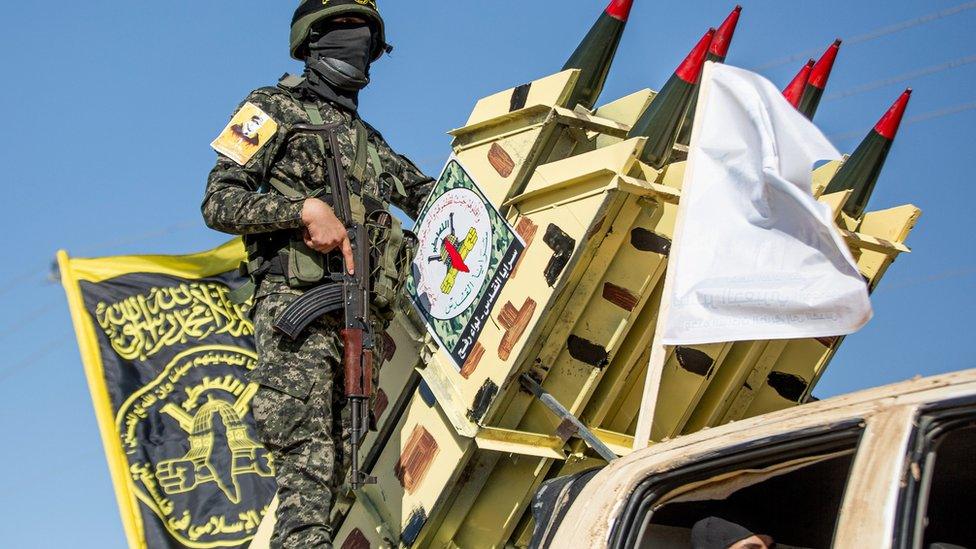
[392,248]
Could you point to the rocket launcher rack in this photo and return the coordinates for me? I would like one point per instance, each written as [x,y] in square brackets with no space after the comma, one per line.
[459,458]
[460,453]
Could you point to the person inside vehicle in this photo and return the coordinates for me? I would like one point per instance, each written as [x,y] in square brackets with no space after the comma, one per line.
[717,533]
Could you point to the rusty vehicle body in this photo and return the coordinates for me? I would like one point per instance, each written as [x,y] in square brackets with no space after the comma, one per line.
[885,467]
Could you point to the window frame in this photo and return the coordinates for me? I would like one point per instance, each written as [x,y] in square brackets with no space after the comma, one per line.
[821,439]
[932,422]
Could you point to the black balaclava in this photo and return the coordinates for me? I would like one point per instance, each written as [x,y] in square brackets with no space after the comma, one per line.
[339,56]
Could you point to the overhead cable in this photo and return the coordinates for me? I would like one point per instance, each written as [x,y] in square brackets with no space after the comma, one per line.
[927,71]
[948,111]
[874,35]
[27,319]
[17,281]
[33,358]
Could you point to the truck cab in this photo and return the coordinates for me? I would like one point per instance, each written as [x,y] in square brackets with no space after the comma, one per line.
[890,467]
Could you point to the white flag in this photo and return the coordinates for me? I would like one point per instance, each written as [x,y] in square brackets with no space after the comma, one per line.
[755,255]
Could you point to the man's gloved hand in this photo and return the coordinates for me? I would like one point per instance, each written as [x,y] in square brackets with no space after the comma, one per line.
[324,232]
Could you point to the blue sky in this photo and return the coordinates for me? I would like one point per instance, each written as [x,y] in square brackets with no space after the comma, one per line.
[109,108]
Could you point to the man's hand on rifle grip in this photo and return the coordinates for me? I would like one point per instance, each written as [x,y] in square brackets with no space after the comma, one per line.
[324,232]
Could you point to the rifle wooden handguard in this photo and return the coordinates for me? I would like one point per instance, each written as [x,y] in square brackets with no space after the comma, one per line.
[358,364]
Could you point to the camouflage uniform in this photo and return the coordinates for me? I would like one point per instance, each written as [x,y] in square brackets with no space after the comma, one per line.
[298,406]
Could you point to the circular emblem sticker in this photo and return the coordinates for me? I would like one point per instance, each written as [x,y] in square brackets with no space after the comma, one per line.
[454,253]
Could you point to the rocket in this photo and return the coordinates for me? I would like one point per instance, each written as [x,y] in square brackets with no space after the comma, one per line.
[794,91]
[718,50]
[595,54]
[860,172]
[662,119]
[818,81]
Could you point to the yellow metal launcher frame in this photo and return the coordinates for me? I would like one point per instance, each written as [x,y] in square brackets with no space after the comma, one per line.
[460,454]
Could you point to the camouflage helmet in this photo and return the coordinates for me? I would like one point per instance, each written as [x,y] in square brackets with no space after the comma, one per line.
[311,12]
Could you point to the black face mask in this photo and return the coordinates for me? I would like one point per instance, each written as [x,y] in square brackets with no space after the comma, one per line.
[338,62]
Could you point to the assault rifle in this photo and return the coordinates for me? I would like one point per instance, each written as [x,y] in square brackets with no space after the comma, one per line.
[348,292]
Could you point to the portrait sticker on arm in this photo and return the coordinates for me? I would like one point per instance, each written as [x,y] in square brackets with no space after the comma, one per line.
[245,135]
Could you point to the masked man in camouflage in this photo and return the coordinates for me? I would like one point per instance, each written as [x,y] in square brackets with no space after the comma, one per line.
[270,184]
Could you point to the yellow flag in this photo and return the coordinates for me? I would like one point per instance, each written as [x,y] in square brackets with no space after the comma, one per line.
[166,355]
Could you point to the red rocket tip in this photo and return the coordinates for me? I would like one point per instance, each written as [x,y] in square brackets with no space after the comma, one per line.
[620,9]
[691,67]
[794,91]
[821,71]
[888,125]
[723,36]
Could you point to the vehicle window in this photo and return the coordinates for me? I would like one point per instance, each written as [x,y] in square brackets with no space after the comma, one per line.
[787,493]
[947,496]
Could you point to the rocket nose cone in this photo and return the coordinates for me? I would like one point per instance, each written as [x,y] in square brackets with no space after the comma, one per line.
[794,91]
[620,9]
[723,36]
[821,71]
[691,67]
[889,123]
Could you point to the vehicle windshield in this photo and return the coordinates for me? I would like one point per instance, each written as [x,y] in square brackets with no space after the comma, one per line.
[796,503]
[951,479]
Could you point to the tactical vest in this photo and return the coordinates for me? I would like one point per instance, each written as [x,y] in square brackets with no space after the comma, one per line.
[392,248]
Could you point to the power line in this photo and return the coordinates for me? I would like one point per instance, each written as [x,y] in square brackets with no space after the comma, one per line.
[874,35]
[27,319]
[142,237]
[941,112]
[948,111]
[937,277]
[33,358]
[18,281]
[934,69]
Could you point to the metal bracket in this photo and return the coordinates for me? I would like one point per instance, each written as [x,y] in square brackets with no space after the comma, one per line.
[571,425]
[521,443]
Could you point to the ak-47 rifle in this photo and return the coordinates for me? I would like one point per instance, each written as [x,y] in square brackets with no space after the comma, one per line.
[348,292]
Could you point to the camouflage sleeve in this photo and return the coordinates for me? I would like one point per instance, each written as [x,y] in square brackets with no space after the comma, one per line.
[234,202]
[415,183]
